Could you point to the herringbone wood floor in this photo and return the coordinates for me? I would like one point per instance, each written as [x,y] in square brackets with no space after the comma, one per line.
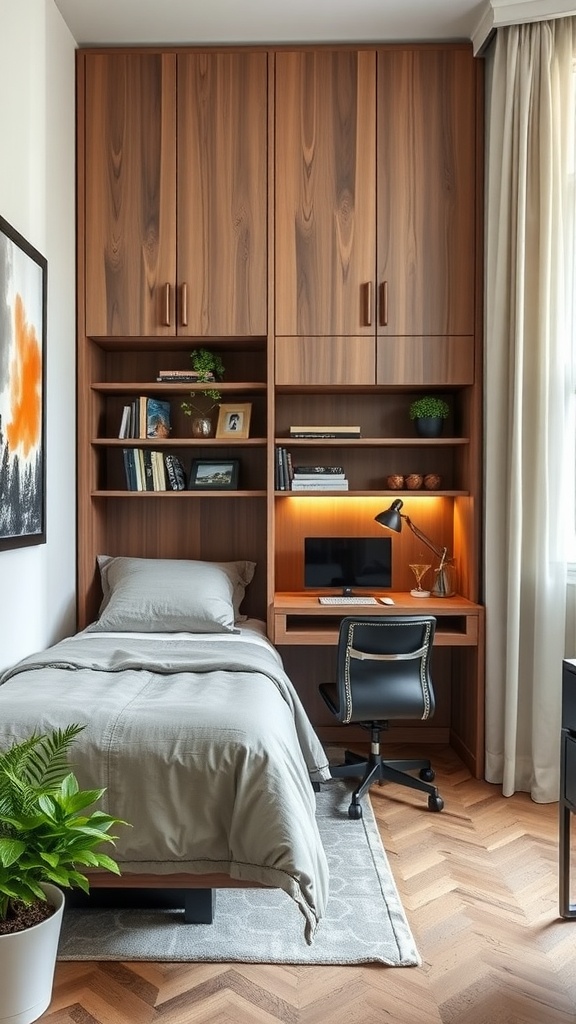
[479,884]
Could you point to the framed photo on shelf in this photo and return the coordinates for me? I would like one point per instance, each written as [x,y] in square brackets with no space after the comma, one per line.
[22,391]
[214,475]
[234,420]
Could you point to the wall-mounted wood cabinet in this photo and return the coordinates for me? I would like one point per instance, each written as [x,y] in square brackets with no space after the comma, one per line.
[375,216]
[315,215]
[175,156]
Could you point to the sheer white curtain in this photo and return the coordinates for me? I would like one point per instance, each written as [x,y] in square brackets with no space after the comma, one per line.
[530,117]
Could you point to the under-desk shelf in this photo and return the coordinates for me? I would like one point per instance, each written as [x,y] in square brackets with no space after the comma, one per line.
[300,619]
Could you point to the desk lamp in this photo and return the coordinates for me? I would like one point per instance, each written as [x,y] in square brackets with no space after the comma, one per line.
[443,577]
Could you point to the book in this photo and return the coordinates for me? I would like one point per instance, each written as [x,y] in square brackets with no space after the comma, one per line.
[310,472]
[158,471]
[319,477]
[129,468]
[319,485]
[124,430]
[321,436]
[324,429]
[148,471]
[186,375]
[138,470]
[175,473]
[157,417]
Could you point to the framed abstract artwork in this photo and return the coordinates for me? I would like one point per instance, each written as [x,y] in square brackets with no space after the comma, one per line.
[22,391]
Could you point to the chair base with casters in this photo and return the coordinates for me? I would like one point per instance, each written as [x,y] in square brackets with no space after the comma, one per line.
[383,673]
[377,769]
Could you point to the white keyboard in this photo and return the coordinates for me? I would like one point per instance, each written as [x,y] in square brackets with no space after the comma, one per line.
[347,600]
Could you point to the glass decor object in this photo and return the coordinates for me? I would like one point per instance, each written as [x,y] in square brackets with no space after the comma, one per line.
[419,569]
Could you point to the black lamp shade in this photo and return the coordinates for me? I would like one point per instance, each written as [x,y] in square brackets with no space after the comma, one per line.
[391,517]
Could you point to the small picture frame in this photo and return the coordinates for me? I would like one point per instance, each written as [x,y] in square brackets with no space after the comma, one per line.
[214,475]
[234,420]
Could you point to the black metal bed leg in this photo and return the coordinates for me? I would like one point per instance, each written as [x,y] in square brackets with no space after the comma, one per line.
[199,905]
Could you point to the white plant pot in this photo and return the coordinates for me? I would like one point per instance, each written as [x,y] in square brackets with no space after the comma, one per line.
[27,962]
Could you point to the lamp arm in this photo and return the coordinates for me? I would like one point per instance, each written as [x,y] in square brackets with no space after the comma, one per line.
[440,552]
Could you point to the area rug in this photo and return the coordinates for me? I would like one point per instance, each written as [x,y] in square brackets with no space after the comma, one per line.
[364,923]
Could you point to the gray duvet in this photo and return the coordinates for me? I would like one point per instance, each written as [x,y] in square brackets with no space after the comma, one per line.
[202,745]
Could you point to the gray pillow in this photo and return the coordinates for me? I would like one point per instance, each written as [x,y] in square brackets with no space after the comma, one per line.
[149,595]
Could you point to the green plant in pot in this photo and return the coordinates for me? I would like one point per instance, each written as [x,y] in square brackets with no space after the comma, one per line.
[429,413]
[46,837]
[209,367]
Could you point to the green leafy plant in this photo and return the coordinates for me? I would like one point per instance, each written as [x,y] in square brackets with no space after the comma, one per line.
[429,407]
[209,366]
[44,834]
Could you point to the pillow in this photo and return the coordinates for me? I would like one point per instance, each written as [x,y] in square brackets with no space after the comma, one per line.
[169,595]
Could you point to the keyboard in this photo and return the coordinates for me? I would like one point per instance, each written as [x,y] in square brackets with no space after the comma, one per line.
[347,600]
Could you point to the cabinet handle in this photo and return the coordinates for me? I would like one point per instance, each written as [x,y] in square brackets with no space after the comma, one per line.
[166,317]
[368,304]
[184,298]
[384,304]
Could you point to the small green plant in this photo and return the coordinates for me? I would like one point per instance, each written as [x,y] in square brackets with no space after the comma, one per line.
[209,366]
[429,407]
[44,836]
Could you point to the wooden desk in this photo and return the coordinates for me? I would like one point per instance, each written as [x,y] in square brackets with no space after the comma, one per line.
[299,623]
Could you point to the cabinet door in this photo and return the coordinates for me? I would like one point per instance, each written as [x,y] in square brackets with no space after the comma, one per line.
[130,160]
[426,207]
[222,193]
[325,207]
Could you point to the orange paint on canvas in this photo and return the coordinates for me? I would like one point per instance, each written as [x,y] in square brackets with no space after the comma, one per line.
[24,430]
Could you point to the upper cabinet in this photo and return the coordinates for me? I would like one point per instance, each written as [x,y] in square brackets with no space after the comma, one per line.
[426,191]
[375,192]
[176,194]
[325,220]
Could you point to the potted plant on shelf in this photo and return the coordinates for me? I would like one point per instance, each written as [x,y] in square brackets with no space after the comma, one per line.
[209,367]
[429,413]
[45,835]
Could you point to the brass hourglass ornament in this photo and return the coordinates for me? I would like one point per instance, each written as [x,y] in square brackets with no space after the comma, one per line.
[419,569]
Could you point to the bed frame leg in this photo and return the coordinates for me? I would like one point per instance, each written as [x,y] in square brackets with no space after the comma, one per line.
[199,906]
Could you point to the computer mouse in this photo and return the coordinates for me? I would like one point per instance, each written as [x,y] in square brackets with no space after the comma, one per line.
[386,600]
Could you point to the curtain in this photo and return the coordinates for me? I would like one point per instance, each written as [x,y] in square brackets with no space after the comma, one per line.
[530,115]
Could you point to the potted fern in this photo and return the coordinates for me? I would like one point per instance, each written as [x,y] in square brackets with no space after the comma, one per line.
[209,367]
[45,837]
[429,413]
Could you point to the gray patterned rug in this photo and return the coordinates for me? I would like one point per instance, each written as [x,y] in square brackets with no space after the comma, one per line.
[364,922]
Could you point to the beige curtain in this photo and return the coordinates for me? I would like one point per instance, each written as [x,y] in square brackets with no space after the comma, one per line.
[530,116]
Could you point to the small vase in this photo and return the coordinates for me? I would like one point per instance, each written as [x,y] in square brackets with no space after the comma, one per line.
[201,426]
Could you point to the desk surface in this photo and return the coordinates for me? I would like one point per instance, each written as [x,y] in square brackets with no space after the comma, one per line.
[299,618]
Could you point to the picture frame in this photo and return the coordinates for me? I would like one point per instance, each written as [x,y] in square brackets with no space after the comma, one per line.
[23,292]
[234,420]
[214,475]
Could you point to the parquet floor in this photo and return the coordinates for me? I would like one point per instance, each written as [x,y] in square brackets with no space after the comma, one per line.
[479,883]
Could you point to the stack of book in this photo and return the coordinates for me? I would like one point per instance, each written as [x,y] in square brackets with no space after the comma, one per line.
[318,478]
[148,470]
[183,377]
[145,417]
[320,431]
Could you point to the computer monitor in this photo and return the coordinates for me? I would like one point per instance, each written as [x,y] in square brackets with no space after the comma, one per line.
[350,563]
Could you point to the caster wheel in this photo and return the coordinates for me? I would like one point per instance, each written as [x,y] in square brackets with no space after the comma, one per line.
[355,811]
[435,803]
[427,774]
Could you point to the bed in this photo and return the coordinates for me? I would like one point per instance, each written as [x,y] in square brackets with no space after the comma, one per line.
[191,725]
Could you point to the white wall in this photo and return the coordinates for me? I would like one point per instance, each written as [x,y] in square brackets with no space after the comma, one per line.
[37,584]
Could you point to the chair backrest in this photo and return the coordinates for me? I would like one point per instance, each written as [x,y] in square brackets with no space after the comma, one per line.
[383,667]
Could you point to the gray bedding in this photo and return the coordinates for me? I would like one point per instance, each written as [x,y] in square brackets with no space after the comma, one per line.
[202,745]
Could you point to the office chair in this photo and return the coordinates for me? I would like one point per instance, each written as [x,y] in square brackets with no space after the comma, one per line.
[383,672]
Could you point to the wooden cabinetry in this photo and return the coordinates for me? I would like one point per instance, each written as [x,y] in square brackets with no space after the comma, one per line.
[316,216]
[175,193]
[376,217]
